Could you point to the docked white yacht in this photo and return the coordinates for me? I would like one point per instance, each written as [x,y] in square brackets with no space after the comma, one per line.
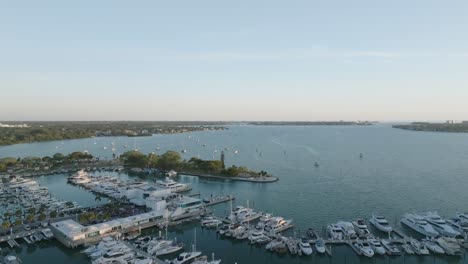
[258,237]
[348,229]
[391,248]
[440,225]
[320,246]
[361,228]
[10,259]
[433,246]
[173,185]
[450,246]
[376,246]
[419,224]
[277,224]
[418,247]
[305,246]
[185,257]
[380,223]
[335,232]
[364,247]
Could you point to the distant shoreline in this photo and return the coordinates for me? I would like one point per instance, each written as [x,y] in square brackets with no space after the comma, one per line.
[435,127]
[312,123]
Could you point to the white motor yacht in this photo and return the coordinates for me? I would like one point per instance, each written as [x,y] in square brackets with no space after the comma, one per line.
[419,224]
[380,223]
[185,257]
[418,247]
[361,228]
[277,224]
[115,258]
[440,225]
[391,248]
[376,246]
[364,247]
[279,241]
[10,259]
[305,246]
[433,246]
[407,248]
[258,237]
[320,246]
[348,229]
[173,185]
[450,245]
[335,232]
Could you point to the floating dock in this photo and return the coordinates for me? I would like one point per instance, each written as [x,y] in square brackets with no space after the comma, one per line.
[13,243]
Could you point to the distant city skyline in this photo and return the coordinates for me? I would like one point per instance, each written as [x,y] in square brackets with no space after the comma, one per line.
[239,61]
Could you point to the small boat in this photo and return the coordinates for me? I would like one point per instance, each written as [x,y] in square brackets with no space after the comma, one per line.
[210,222]
[392,249]
[10,259]
[312,234]
[450,246]
[320,246]
[335,232]
[185,258]
[305,246]
[380,223]
[361,228]
[364,247]
[408,249]
[376,246]
[316,164]
[433,246]
[419,248]
[273,244]
[292,245]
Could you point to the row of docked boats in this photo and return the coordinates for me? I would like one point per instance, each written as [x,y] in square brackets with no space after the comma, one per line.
[117,188]
[114,251]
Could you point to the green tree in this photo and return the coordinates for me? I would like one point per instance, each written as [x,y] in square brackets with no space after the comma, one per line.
[30,218]
[153,160]
[83,218]
[58,157]
[134,159]
[18,222]
[18,212]
[6,224]
[53,214]
[170,160]
[32,210]
[42,217]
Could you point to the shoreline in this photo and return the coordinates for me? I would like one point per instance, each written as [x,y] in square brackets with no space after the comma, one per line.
[262,179]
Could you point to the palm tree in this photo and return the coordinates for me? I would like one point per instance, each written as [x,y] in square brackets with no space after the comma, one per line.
[6,224]
[30,218]
[42,217]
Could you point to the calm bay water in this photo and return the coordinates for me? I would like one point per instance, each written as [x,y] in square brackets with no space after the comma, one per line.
[401,171]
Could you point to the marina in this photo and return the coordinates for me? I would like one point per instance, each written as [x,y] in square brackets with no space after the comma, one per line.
[209,240]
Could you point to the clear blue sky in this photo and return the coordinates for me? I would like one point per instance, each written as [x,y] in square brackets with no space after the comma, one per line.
[242,60]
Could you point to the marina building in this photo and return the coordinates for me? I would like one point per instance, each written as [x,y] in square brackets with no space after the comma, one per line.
[73,234]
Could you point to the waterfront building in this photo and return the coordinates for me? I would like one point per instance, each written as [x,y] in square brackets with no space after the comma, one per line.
[73,234]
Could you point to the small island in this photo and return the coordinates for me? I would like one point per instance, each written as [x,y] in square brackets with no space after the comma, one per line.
[172,160]
[448,126]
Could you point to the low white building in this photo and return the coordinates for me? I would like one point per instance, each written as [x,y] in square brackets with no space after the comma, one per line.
[72,233]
